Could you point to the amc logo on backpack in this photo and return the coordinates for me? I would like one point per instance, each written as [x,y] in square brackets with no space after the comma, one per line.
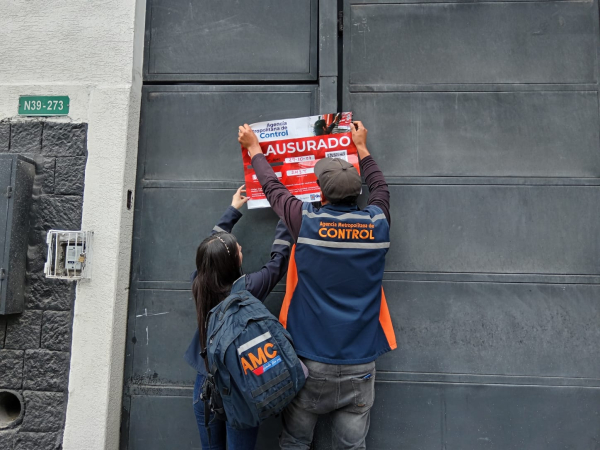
[258,355]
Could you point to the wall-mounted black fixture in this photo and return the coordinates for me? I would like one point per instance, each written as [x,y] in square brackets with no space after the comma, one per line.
[16,184]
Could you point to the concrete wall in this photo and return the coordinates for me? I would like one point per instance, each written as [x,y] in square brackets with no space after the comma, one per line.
[91,51]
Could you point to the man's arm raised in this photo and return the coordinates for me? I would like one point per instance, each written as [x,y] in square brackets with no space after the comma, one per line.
[285,205]
[379,194]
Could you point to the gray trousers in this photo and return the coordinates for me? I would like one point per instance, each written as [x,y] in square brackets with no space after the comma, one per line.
[345,391]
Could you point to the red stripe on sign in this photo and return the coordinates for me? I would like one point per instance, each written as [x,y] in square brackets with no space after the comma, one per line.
[294,175]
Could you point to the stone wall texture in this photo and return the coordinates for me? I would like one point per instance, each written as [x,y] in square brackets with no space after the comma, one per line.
[35,345]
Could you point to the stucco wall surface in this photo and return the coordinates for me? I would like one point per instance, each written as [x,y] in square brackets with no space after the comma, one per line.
[66,41]
[92,52]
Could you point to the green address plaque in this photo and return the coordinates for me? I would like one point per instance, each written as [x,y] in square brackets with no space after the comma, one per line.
[43,105]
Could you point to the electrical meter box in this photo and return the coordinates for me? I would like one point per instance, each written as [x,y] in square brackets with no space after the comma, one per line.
[16,185]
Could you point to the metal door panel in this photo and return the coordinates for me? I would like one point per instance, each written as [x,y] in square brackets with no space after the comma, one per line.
[484,118]
[175,220]
[268,433]
[490,42]
[231,40]
[168,423]
[494,329]
[163,423]
[165,323]
[189,166]
[503,134]
[492,417]
[406,416]
[495,229]
[519,417]
[164,326]
[190,132]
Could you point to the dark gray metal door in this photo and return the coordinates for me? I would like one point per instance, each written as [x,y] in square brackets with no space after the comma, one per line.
[189,168]
[484,117]
[233,57]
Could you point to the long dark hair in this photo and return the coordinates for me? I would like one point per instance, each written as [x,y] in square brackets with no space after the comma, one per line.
[218,266]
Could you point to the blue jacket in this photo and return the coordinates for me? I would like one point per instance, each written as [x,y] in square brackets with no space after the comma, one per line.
[334,307]
[259,284]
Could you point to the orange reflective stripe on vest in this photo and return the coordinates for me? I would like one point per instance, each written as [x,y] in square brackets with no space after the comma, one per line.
[386,322]
[291,282]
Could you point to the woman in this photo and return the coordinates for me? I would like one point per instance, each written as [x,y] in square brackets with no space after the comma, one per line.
[219,273]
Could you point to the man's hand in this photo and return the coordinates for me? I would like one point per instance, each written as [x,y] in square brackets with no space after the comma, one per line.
[359,136]
[249,141]
[239,199]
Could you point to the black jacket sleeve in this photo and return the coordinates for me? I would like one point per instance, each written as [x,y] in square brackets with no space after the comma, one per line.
[230,217]
[261,283]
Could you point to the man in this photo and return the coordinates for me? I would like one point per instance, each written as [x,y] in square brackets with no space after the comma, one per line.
[320,127]
[334,306]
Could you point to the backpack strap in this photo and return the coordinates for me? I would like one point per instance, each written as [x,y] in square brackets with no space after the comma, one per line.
[212,401]
[237,296]
[265,387]
[277,408]
[204,351]
[276,395]
[222,309]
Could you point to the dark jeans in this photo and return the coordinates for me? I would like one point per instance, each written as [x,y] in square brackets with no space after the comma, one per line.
[345,391]
[220,431]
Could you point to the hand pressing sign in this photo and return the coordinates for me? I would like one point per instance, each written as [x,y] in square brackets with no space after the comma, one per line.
[293,147]
[239,198]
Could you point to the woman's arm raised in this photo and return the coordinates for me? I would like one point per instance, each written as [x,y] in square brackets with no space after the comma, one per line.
[232,214]
[261,283]
[230,217]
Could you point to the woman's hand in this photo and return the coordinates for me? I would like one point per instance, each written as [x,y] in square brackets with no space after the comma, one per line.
[239,199]
[248,139]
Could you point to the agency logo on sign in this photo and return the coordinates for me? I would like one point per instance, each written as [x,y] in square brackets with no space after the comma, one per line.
[261,359]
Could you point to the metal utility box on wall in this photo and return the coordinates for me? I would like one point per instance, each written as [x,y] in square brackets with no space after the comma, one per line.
[69,254]
[16,184]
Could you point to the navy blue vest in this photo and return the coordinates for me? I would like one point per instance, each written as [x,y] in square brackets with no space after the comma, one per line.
[334,306]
